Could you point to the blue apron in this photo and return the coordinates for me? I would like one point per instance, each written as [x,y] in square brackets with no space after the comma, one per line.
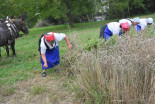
[120,34]
[138,28]
[107,33]
[52,57]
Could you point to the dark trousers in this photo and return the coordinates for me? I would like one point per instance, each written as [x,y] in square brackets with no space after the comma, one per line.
[102,30]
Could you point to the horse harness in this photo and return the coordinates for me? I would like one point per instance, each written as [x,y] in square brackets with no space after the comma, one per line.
[11,26]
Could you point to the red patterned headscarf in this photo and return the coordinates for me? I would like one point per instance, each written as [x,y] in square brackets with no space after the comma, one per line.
[49,37]
[125,26]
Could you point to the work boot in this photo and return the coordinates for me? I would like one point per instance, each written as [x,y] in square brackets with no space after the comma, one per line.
[44,74]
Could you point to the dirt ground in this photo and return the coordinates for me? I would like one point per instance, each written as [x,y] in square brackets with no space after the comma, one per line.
[39,90]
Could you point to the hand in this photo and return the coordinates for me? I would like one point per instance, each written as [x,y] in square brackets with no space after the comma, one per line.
[45,65]
[70,46]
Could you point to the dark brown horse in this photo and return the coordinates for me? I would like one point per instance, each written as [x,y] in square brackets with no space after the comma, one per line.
[9,31]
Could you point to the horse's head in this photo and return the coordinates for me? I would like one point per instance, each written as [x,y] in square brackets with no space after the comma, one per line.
[21,25]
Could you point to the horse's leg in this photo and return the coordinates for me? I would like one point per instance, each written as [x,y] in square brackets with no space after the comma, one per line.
[7,50]
[13,47]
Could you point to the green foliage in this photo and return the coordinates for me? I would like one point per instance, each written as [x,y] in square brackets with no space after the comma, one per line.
[149,5]
[57,9]
[70,11]
[66,9]
[112,41]
[127,8]
[92,44]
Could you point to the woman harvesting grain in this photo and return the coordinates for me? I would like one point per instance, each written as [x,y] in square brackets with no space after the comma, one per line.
[49,50]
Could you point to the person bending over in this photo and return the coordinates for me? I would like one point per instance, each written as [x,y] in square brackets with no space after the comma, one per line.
[49,50]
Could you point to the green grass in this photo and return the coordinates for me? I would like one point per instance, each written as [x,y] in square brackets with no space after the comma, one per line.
[38,90]
[27,62]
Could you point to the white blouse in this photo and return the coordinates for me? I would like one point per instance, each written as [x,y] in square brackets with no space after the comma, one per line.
[143,24]
[114,27]
[58,37]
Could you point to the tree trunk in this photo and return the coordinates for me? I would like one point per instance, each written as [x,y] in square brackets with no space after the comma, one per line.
[128,10]
[70,21]
[69,17]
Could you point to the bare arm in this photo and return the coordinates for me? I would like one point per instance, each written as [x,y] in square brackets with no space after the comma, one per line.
[45,61]
[127,34]
[128,37]
[68,43]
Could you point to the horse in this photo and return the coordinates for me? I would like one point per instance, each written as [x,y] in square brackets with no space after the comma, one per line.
[9,31]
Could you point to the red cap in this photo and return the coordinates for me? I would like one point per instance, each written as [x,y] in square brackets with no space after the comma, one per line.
[49,37]
[125,26]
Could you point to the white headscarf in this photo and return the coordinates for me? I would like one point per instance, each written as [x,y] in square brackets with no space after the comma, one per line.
[149,20]
[136,20]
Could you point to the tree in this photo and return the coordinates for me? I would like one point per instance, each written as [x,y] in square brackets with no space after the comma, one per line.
[124,8]
[149,5]
[57,9]
[67,9]
[71,11]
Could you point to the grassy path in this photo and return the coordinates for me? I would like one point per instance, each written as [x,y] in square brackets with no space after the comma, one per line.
[49,90]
